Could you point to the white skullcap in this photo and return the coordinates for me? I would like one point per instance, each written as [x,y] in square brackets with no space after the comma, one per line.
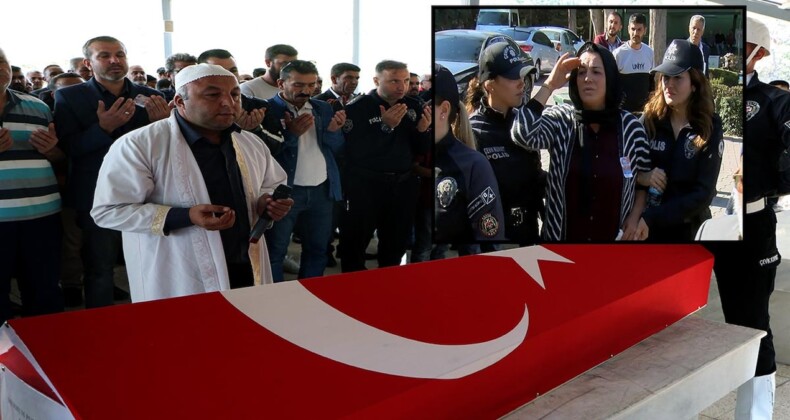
[198,71]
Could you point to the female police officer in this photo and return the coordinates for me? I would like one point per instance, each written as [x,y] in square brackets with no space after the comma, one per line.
[686,146]
[491,100]
[468,207]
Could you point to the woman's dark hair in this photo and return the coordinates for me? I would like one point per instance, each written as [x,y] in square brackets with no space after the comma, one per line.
[699,109]
[474,94]
[614,88]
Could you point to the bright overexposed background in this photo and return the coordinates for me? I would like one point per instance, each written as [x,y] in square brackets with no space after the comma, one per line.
[321,31]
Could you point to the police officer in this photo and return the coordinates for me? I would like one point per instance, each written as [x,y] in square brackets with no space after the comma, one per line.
[384,131]
[686,146]
[493,97]
[745,297]
[467,201]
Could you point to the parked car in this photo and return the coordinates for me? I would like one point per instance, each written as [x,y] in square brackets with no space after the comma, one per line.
[538,45]
[564,39]
[459,50]
[495,19]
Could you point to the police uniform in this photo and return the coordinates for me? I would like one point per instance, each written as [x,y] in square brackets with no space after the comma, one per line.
[467,202]
[521,180]
[379,186]
[691,180]
[745,298]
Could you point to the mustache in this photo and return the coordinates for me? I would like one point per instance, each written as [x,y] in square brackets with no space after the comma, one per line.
[303,95]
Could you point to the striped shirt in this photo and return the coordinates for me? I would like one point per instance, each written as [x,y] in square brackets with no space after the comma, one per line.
[555,128]
[28,188]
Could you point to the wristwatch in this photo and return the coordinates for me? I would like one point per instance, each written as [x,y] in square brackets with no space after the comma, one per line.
[385,128]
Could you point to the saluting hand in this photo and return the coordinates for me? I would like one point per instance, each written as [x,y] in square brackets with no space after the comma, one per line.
[252,119]
[157,108]
[560,73]
[44,140]
[391,117]
[338,120]
[425,120]
[5,139]
[119,114]
[211,217]
[299,125]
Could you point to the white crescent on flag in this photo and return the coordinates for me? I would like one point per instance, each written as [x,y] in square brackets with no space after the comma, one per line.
[295,314]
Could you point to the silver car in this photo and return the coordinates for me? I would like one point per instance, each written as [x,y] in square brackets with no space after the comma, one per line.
[459,50]
[538,45]
[564,39]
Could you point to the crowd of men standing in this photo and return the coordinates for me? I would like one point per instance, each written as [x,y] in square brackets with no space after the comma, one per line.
[74,194]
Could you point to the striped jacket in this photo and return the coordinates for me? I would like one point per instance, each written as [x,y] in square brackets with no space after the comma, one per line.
[555,128]
[28,188]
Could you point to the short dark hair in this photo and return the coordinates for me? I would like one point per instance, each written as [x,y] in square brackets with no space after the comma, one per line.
[390,65]
[53,82]
[86,51]
[170,62]
[341,68]
[259,71]
[163,84]
[779,83]
[149,78]
[15,68]
[638,19]
[414,75]
[616,14]
[161,70]
[278,49]
[299,66]
[215,53]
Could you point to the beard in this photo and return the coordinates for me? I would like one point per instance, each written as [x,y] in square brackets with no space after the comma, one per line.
[19,87]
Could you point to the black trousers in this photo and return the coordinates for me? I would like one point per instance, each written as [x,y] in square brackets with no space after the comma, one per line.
[382,202]
[744,297]
[30,250]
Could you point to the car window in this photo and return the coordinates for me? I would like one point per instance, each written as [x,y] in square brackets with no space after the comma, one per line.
[554,36]
[574,39]
[542,39]
[565,39]
[492,18]
[456,48]
[516,34]
[513,19]
[494,40]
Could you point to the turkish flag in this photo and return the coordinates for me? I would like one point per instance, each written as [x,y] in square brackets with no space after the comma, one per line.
[473,337]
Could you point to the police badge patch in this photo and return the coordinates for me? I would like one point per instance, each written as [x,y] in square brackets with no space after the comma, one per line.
[412,115]
[752,108]
[690,149]
[489,225]
[348,126]
[721,148]
[446,190]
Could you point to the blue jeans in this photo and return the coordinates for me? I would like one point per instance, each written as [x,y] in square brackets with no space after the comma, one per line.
[100,250]
[312,211]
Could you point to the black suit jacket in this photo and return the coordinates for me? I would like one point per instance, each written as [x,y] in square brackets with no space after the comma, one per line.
[82,139]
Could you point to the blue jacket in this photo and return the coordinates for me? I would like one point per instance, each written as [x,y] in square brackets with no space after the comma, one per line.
[330,143]
[83,140]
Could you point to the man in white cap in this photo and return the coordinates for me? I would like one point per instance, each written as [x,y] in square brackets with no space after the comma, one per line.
[745,296]
[186,191]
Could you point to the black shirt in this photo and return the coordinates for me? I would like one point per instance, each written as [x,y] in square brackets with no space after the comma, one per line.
[768,131]
[217,163]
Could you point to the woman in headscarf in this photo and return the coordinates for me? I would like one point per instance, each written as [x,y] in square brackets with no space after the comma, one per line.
[596,151]
[686,146]
[492,99]
[468,207]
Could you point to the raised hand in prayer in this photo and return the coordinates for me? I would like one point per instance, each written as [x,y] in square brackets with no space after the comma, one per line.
[425,120]
[117,115]
[299,125]
[391,117]
[211,217]
[250,120]
[157,108]
[337,121]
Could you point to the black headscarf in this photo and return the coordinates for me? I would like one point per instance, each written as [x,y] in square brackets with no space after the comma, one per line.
[614,88]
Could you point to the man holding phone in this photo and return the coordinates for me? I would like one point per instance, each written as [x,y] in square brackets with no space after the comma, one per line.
[186,191]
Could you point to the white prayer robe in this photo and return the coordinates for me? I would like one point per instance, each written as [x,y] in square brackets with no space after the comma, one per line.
[152,169]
